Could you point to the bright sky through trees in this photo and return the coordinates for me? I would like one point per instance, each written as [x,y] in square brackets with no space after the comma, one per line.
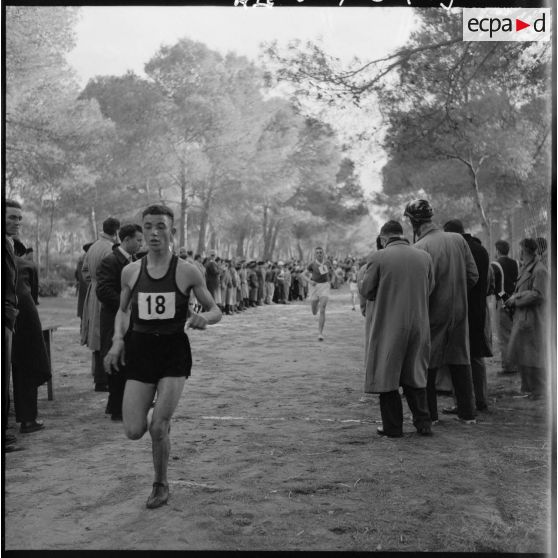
[111,40]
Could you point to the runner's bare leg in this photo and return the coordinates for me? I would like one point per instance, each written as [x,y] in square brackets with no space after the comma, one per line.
[137,400]
[169,391]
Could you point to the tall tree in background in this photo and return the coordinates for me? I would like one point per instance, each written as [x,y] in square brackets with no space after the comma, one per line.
[51,138]
[457,117]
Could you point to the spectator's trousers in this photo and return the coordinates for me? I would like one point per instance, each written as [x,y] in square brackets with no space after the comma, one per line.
[391,409]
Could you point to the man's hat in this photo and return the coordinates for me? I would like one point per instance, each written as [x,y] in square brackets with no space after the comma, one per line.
[419,211]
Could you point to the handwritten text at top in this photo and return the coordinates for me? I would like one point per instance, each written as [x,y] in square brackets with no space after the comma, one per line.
[269,3]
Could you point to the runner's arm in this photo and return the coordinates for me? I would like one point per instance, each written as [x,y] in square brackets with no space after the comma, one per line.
[190,276]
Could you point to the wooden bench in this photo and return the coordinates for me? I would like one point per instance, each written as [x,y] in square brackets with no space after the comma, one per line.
[48,330]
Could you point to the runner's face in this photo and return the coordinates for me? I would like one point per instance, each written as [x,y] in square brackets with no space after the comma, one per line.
[158,232]
[319,254]
[13,220]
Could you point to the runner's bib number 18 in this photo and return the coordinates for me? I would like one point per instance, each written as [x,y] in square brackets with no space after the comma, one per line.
[156,306]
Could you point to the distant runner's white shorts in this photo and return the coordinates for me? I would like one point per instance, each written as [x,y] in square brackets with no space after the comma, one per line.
[319,290]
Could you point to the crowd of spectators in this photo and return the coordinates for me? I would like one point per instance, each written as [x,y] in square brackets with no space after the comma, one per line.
[238,284]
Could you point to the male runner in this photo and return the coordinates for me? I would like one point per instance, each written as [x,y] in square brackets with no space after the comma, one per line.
[320,278]
[154,304]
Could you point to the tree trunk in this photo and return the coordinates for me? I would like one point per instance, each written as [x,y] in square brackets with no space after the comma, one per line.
[93,223]
[266,233]
[300,252]
[485,222]
[273,239]
[183,206]
[240,243]
[204,221]
[47,244]
[38,251]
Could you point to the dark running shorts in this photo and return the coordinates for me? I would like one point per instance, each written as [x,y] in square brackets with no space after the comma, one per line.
[152,357]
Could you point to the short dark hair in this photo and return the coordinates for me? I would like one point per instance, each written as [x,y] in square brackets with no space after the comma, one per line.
[391,228]
[129,230]
[13,203]
[529,244]
[502,246]
[197,257]
[318,248]
[111,226]
[158,209]
[455,226]
[189,252]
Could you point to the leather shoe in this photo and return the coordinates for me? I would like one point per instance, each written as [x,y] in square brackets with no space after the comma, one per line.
[116,417]
[450,411]
[9,448]
[424,431]
[27,428]
[159,495]
[381,432]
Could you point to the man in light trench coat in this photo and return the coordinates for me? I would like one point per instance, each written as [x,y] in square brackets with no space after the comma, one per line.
[455,273]
[399,279]
[91,318]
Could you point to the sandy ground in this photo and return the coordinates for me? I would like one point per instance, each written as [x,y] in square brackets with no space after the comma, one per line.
[272,449]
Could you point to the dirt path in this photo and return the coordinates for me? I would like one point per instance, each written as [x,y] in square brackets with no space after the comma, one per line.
[272,449]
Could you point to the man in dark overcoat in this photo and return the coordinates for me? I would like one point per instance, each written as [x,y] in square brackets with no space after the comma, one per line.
[477,309]
[108,292]
[13,217]
[81,283]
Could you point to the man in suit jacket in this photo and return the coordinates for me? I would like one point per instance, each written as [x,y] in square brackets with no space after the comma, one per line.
[90,321]
[12,221]
[108,292]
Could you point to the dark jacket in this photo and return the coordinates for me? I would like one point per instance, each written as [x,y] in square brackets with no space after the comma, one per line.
[108,292]
[81,286]
[9,280]
[29,355]
[510,268]
[212,276]
[476,300]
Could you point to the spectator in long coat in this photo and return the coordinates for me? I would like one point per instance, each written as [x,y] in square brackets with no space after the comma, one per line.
[260,270]
[366,307]
[81,283]
[455,273]
[30,364]
[399,279]
[91,319]
[527,345]
[506,271]
[477,310]
[244,289]
[108,292]
[212,275]
[253,283]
